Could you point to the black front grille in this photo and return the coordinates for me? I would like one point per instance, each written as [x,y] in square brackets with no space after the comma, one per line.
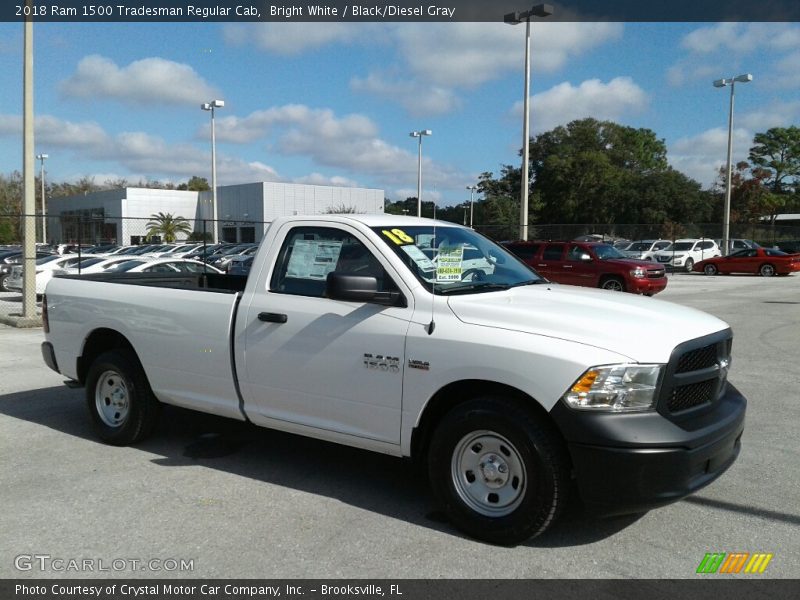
[696,374]
[655,274]
[689,396]
[694,360]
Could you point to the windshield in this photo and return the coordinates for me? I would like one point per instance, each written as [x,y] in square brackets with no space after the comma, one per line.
[47,259]
[88,262]
[125,266]
[451,260]
[640,246]
[605,252]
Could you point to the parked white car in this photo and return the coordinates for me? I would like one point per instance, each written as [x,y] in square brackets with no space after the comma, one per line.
[161,265]
[645,249]
[682,254]
[45,269]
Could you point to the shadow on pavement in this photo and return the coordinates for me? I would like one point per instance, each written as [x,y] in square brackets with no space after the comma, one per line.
[379,483]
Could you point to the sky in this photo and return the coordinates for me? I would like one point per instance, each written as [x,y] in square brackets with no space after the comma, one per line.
[334,103]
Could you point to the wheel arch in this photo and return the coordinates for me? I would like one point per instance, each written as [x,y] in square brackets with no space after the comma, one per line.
[458,392]
[96,343]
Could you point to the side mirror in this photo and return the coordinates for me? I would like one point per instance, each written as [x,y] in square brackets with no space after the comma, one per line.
[359,288]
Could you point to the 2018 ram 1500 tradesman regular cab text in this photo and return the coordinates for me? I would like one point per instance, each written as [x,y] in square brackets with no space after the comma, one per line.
[378,332]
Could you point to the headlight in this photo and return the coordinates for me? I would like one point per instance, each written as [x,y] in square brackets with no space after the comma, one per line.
[616,388]
[639,272]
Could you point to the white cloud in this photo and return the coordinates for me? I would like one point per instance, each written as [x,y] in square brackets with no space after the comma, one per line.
[291,38]
[701,156]
[742,38]
[147,80]
[592,98]
[470,54]
[777,114]
[417,98]
[320,179]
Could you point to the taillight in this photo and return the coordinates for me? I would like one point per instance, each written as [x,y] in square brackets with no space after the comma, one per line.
[45,321]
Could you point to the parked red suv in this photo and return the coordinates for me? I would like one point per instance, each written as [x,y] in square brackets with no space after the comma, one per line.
[591,264]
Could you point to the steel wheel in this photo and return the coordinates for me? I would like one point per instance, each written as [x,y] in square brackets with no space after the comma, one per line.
[767,270]
[120,401]
[710,270]
[488,473]
[112,399]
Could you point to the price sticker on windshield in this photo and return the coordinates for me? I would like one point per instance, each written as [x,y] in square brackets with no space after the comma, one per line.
[449,263]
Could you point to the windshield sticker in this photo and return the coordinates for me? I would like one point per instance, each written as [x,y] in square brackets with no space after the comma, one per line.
[449,263]
[313,259]
[418,256]
[398,236]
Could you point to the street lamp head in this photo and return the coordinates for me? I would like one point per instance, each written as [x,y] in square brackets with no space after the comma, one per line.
[512,18]
[720,83]
[746,78]
[421,132]
[426,132]
[541,10]
[218,103]
[42,156]
[205,106]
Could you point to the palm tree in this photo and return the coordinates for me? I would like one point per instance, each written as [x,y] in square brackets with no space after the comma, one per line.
[167,226]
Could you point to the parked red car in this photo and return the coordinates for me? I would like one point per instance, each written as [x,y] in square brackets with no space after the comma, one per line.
[591,264]
[764,261]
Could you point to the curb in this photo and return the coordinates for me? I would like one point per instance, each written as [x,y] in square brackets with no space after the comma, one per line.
[21,322]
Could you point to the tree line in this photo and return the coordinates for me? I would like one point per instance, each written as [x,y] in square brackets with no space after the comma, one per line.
[600,172]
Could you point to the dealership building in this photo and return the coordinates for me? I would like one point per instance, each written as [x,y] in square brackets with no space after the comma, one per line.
[243,211]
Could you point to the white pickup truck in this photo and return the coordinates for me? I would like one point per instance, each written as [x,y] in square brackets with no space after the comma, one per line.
[514,392]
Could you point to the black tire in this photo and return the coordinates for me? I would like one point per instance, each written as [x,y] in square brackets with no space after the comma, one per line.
[497,432]
[3,287]
[688,265]
[123,407]
[615,284]
[766,270]
[710,269]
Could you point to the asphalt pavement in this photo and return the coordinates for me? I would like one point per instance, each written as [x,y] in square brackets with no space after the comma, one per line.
[237,501]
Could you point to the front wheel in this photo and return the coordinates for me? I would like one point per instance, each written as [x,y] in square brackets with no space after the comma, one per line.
[688,265]
[767,270]
[122,405]
[710,270]
[614,284]
[500,474]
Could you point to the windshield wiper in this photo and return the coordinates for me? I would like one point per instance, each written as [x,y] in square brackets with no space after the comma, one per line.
[529,282]
[483,286]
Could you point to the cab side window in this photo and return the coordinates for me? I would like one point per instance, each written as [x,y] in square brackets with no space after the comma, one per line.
[553,252]
[308,254]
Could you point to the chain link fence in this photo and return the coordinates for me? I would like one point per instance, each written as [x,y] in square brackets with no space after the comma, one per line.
[80,232]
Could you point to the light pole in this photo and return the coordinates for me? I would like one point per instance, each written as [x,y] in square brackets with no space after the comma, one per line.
[515,18]
[726,216]
[210,106]
[419,134]
[41,158]
[471,189]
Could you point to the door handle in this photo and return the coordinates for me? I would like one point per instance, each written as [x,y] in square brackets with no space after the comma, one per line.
[567,266]
[268,317]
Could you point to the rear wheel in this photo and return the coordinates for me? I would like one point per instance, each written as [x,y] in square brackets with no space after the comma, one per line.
[122,405]
[710,270]
[615,284]
[766,270]
[3,287]
[499,473]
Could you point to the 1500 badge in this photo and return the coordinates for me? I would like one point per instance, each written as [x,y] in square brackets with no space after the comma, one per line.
[389,364]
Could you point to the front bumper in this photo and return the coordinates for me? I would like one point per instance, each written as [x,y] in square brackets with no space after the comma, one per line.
[626,463]
[648,286]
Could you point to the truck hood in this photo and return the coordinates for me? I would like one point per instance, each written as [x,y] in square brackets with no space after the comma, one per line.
[641,328]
